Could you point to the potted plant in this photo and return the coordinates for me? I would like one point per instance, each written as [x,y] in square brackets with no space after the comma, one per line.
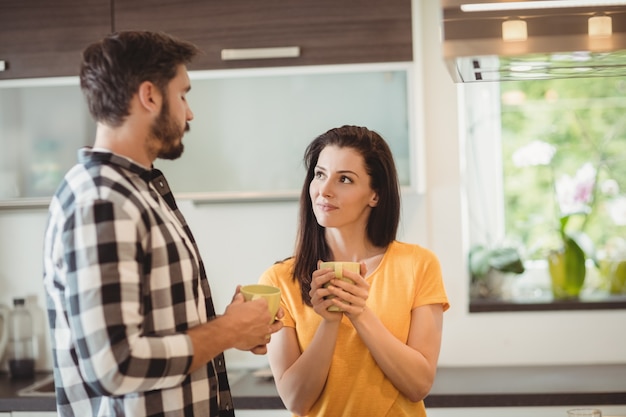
[574,198]
[489,267]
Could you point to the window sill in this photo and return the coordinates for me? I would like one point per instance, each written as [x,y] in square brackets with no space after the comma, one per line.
[486,305]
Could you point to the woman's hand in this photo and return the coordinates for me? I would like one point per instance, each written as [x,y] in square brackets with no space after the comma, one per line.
[350,297]
[318,293]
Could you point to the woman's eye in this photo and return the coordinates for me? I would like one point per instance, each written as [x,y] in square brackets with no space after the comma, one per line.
[318,175]
[345,180]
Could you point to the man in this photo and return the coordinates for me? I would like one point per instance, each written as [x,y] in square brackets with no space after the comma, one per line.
[134,331]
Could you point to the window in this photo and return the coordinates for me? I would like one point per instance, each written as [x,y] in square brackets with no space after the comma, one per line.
[537,150]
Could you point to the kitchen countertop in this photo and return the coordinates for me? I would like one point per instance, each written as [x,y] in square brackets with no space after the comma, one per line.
[497,386]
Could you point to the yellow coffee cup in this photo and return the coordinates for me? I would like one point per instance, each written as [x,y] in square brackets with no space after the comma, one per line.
[339,267]
[270,293]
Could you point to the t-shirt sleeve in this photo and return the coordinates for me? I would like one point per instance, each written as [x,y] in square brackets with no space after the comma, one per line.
[429,288]
[273,276]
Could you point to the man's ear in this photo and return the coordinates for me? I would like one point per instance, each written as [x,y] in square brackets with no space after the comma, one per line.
[149,96]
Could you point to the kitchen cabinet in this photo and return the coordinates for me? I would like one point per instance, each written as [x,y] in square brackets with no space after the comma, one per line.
[249,132]
[41,38]
[324,31]
[358,52]
[41,128]
[45,39]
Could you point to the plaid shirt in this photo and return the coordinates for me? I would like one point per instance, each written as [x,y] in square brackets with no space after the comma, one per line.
[124,281]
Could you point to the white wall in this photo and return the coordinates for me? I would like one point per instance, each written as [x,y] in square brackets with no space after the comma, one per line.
[239,241]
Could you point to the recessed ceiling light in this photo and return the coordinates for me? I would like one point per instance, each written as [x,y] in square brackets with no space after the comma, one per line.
[600,26]
[514,30]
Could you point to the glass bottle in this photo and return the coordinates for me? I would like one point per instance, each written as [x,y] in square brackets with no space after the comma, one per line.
[21,347]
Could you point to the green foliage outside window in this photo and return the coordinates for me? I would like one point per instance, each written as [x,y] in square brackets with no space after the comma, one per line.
[585,121]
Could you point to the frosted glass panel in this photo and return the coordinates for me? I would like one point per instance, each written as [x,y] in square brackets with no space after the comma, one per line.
[41,128]
[248,136]
[249,133]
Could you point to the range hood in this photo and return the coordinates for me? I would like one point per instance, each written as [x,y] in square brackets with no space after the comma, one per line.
[558,39]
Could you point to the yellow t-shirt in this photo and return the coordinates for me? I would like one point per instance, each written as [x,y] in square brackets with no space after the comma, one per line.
[407,277]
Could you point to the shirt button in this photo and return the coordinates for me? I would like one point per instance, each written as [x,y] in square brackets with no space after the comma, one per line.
[161,184]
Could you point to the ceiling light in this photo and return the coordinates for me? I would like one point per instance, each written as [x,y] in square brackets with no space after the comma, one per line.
[514,30]
[539,4]
[600,26]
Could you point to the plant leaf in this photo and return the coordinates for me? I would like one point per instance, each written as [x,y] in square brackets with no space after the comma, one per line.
[479,261]
[506,260]
[585,243]
[482,259]
[574,261]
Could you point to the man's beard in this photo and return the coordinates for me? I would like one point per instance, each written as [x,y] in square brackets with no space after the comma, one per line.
[169,134]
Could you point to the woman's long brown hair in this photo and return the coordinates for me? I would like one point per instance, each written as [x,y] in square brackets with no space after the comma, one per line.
[382,224]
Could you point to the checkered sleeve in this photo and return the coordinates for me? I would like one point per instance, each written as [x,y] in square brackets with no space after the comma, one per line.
[105,257]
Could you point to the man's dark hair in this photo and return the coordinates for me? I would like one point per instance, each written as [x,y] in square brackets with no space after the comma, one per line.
[113,69]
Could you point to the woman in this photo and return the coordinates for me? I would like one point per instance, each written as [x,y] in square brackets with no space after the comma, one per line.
[379,356]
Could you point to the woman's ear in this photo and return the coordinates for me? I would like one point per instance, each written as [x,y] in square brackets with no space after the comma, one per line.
[374,200]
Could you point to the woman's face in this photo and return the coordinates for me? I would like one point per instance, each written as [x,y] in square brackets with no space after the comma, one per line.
[340,190]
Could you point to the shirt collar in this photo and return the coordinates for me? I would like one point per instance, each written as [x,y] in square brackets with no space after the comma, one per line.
[104,156]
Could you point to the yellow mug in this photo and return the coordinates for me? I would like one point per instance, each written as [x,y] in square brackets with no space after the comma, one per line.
[339,267]
[270,293]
